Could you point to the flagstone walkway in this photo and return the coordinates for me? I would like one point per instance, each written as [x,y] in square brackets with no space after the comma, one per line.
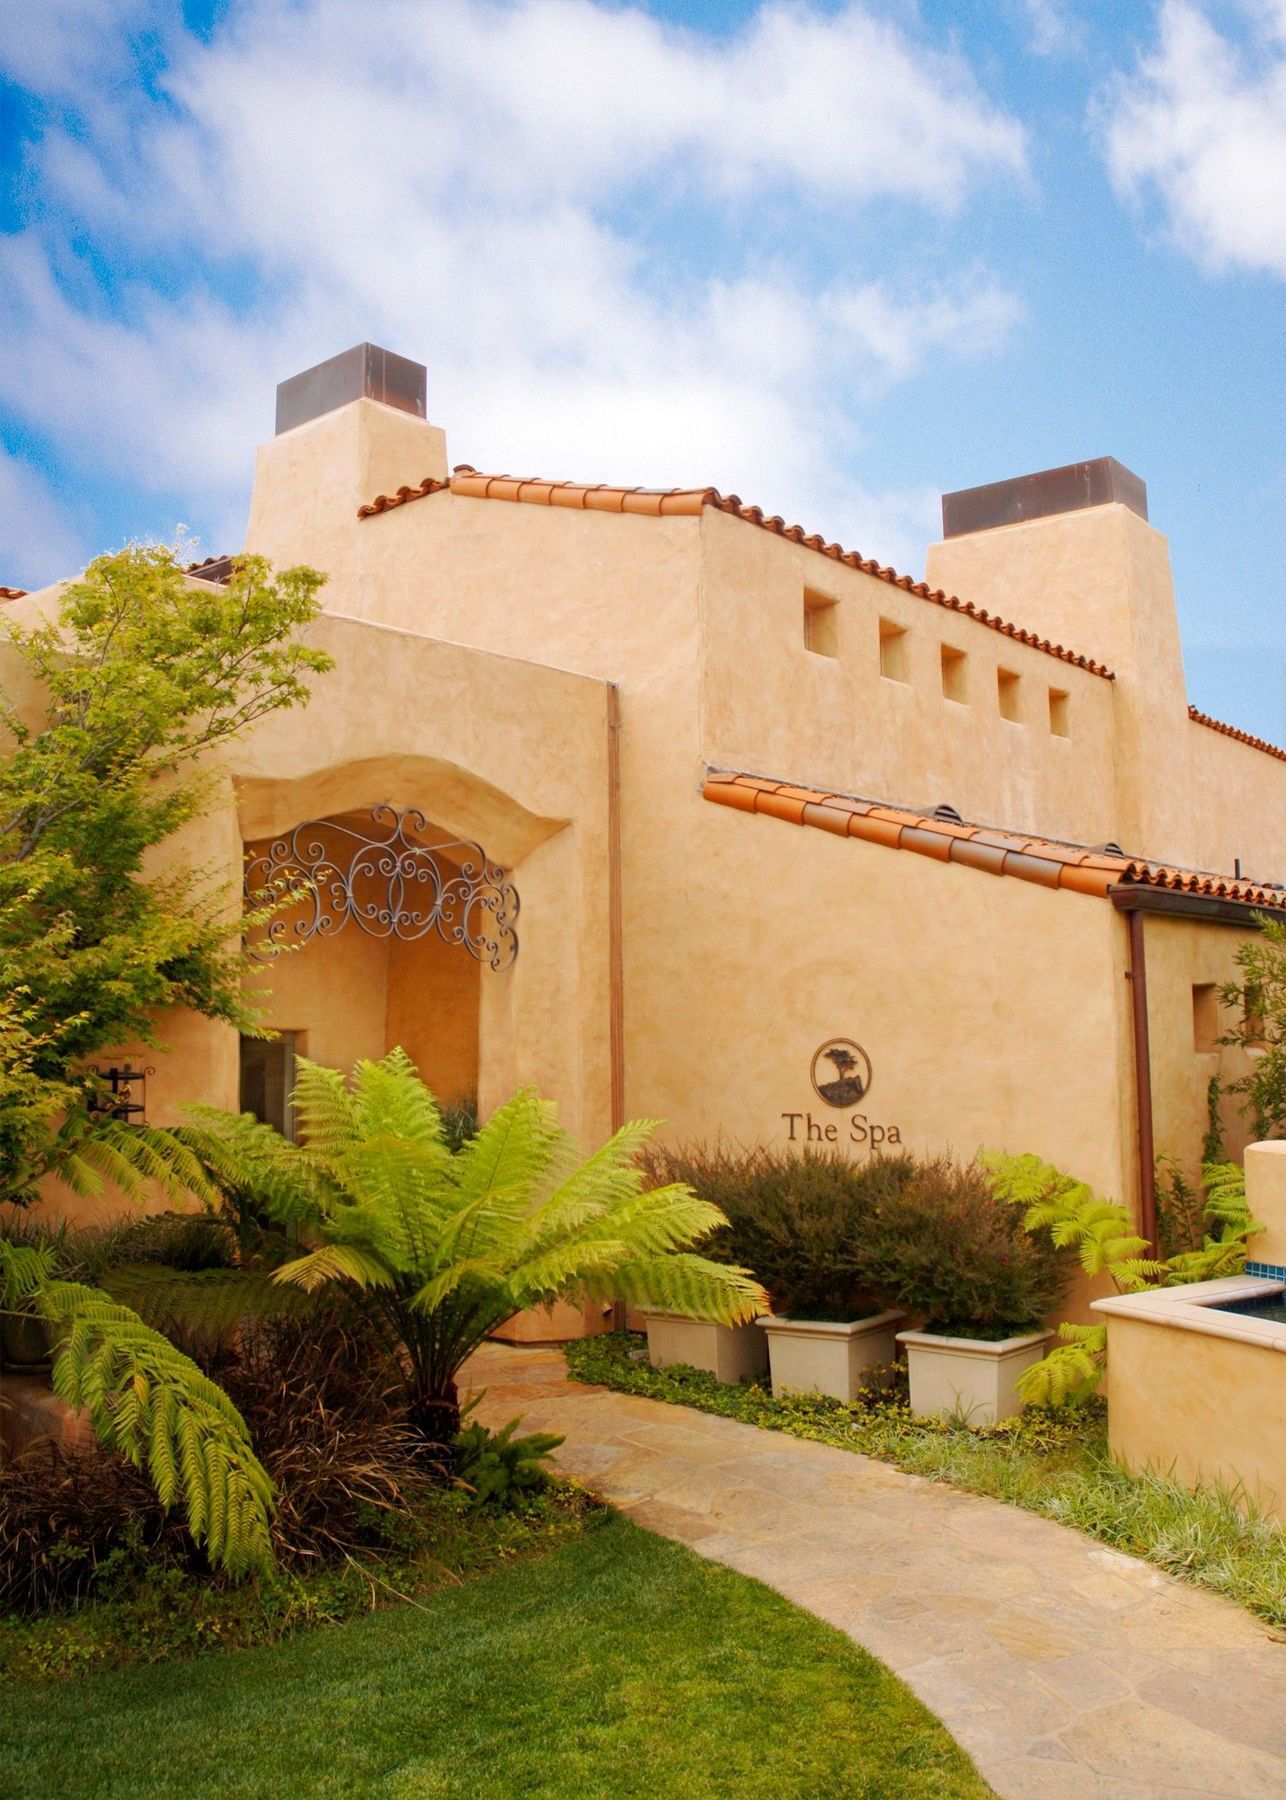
[1063,1668]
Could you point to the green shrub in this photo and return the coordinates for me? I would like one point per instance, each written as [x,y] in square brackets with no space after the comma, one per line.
[797,1221]
[947,1250]
[496,1468]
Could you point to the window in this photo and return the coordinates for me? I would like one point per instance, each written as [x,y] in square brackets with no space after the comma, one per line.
[894,662]
[821,624]
[954,683]
[1007,684]
[267,1077]
[1205,1016]
[1059,722]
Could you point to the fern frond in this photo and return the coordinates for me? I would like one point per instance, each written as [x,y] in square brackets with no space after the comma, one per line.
[148,1401]
[23,1269]
[685,1283]
[1072,1370]
[337,1262]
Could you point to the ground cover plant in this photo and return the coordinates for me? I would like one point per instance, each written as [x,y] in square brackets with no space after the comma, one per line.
[619,1664]
[1053,1463]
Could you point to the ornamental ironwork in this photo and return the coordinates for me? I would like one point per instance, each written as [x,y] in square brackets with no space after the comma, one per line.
[325,875]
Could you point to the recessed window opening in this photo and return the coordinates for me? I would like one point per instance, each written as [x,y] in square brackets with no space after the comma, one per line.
[895,663]
[1007,683]
[955,684]
[1059,720]
[1254,1031]
[1205,1016]
[821,624]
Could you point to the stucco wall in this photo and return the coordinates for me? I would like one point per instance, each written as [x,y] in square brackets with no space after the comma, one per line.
[772,706]
[1099,580]
[991,1009]
[1182,954]
[1199,1409]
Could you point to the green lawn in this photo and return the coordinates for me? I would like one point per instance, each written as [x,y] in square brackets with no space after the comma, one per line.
[620,1665]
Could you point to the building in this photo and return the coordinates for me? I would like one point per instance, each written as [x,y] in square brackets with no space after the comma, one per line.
[667,807]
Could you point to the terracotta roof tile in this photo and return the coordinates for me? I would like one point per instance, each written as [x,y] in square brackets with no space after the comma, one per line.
[690,502]
[1242,737]
[1076,867]
[8,593]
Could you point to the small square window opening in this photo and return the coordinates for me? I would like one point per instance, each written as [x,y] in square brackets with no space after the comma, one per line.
[1205,1016]
[1007,685]
[895,664]
[821,624]
[955,684]
[1059,718]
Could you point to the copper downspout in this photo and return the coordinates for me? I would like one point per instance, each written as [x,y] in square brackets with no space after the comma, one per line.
[1138,980]
[615,936]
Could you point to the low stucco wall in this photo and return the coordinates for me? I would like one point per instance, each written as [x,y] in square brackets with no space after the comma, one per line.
[1199,1409]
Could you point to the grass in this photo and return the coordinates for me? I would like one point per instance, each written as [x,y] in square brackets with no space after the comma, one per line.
[146,1606]
[1057,1464]
[618,1665]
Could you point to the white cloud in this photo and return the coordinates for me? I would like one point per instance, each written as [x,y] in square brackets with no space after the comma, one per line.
[466,184]
[1202,124]
[1054,27]
[38,541]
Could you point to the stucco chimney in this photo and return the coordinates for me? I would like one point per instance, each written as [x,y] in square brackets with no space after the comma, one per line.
[1069,554]
[348,429]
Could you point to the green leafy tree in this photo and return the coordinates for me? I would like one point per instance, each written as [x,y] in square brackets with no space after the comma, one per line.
[1258,1003]
[441,1246]
[108,712]
[1105,1240]
[148,1401]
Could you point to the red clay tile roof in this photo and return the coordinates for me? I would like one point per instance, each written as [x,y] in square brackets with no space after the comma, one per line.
[13,593]
[690,502]
[1242,737]
[1042,860]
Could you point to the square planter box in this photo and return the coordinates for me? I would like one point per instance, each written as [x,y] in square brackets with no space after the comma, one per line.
[818,1356]
[729,1352]
[968,1376]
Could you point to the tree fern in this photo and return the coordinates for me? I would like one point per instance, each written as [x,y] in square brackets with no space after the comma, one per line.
[151,1403]
[446,1245]
[1106,1242]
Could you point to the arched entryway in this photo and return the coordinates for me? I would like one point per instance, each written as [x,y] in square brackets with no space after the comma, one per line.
[386,925]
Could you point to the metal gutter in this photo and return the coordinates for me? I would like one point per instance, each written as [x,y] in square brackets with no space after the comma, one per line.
[1209,909]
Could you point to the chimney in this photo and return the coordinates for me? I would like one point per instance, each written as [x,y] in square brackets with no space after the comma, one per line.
[348,429]
[363,373]
[1103,482]
[1069,554]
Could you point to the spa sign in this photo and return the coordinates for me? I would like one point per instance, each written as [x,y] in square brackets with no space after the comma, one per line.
[841,1077]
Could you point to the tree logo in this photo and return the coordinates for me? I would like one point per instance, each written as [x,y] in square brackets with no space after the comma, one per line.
[852,1077]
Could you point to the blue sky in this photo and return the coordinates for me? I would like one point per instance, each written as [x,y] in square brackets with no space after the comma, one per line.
[835,258]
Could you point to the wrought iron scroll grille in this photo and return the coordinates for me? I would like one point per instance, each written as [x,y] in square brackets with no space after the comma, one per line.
[389,886]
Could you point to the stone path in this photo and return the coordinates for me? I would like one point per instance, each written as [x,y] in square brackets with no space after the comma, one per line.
[1063,1668]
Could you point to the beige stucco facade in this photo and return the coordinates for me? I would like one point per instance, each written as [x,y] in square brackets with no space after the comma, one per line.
[681,960]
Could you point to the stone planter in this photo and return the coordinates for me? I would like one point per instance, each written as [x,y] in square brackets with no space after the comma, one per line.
[24,1342]
[729,1352]
[969,1377]
[818,1356]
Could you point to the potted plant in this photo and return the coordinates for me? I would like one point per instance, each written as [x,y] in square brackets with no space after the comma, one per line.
[795,1220]
[730,1353]
[956,1257]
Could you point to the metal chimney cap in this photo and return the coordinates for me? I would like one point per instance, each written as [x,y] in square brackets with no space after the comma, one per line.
[366,372]
[1102,482]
